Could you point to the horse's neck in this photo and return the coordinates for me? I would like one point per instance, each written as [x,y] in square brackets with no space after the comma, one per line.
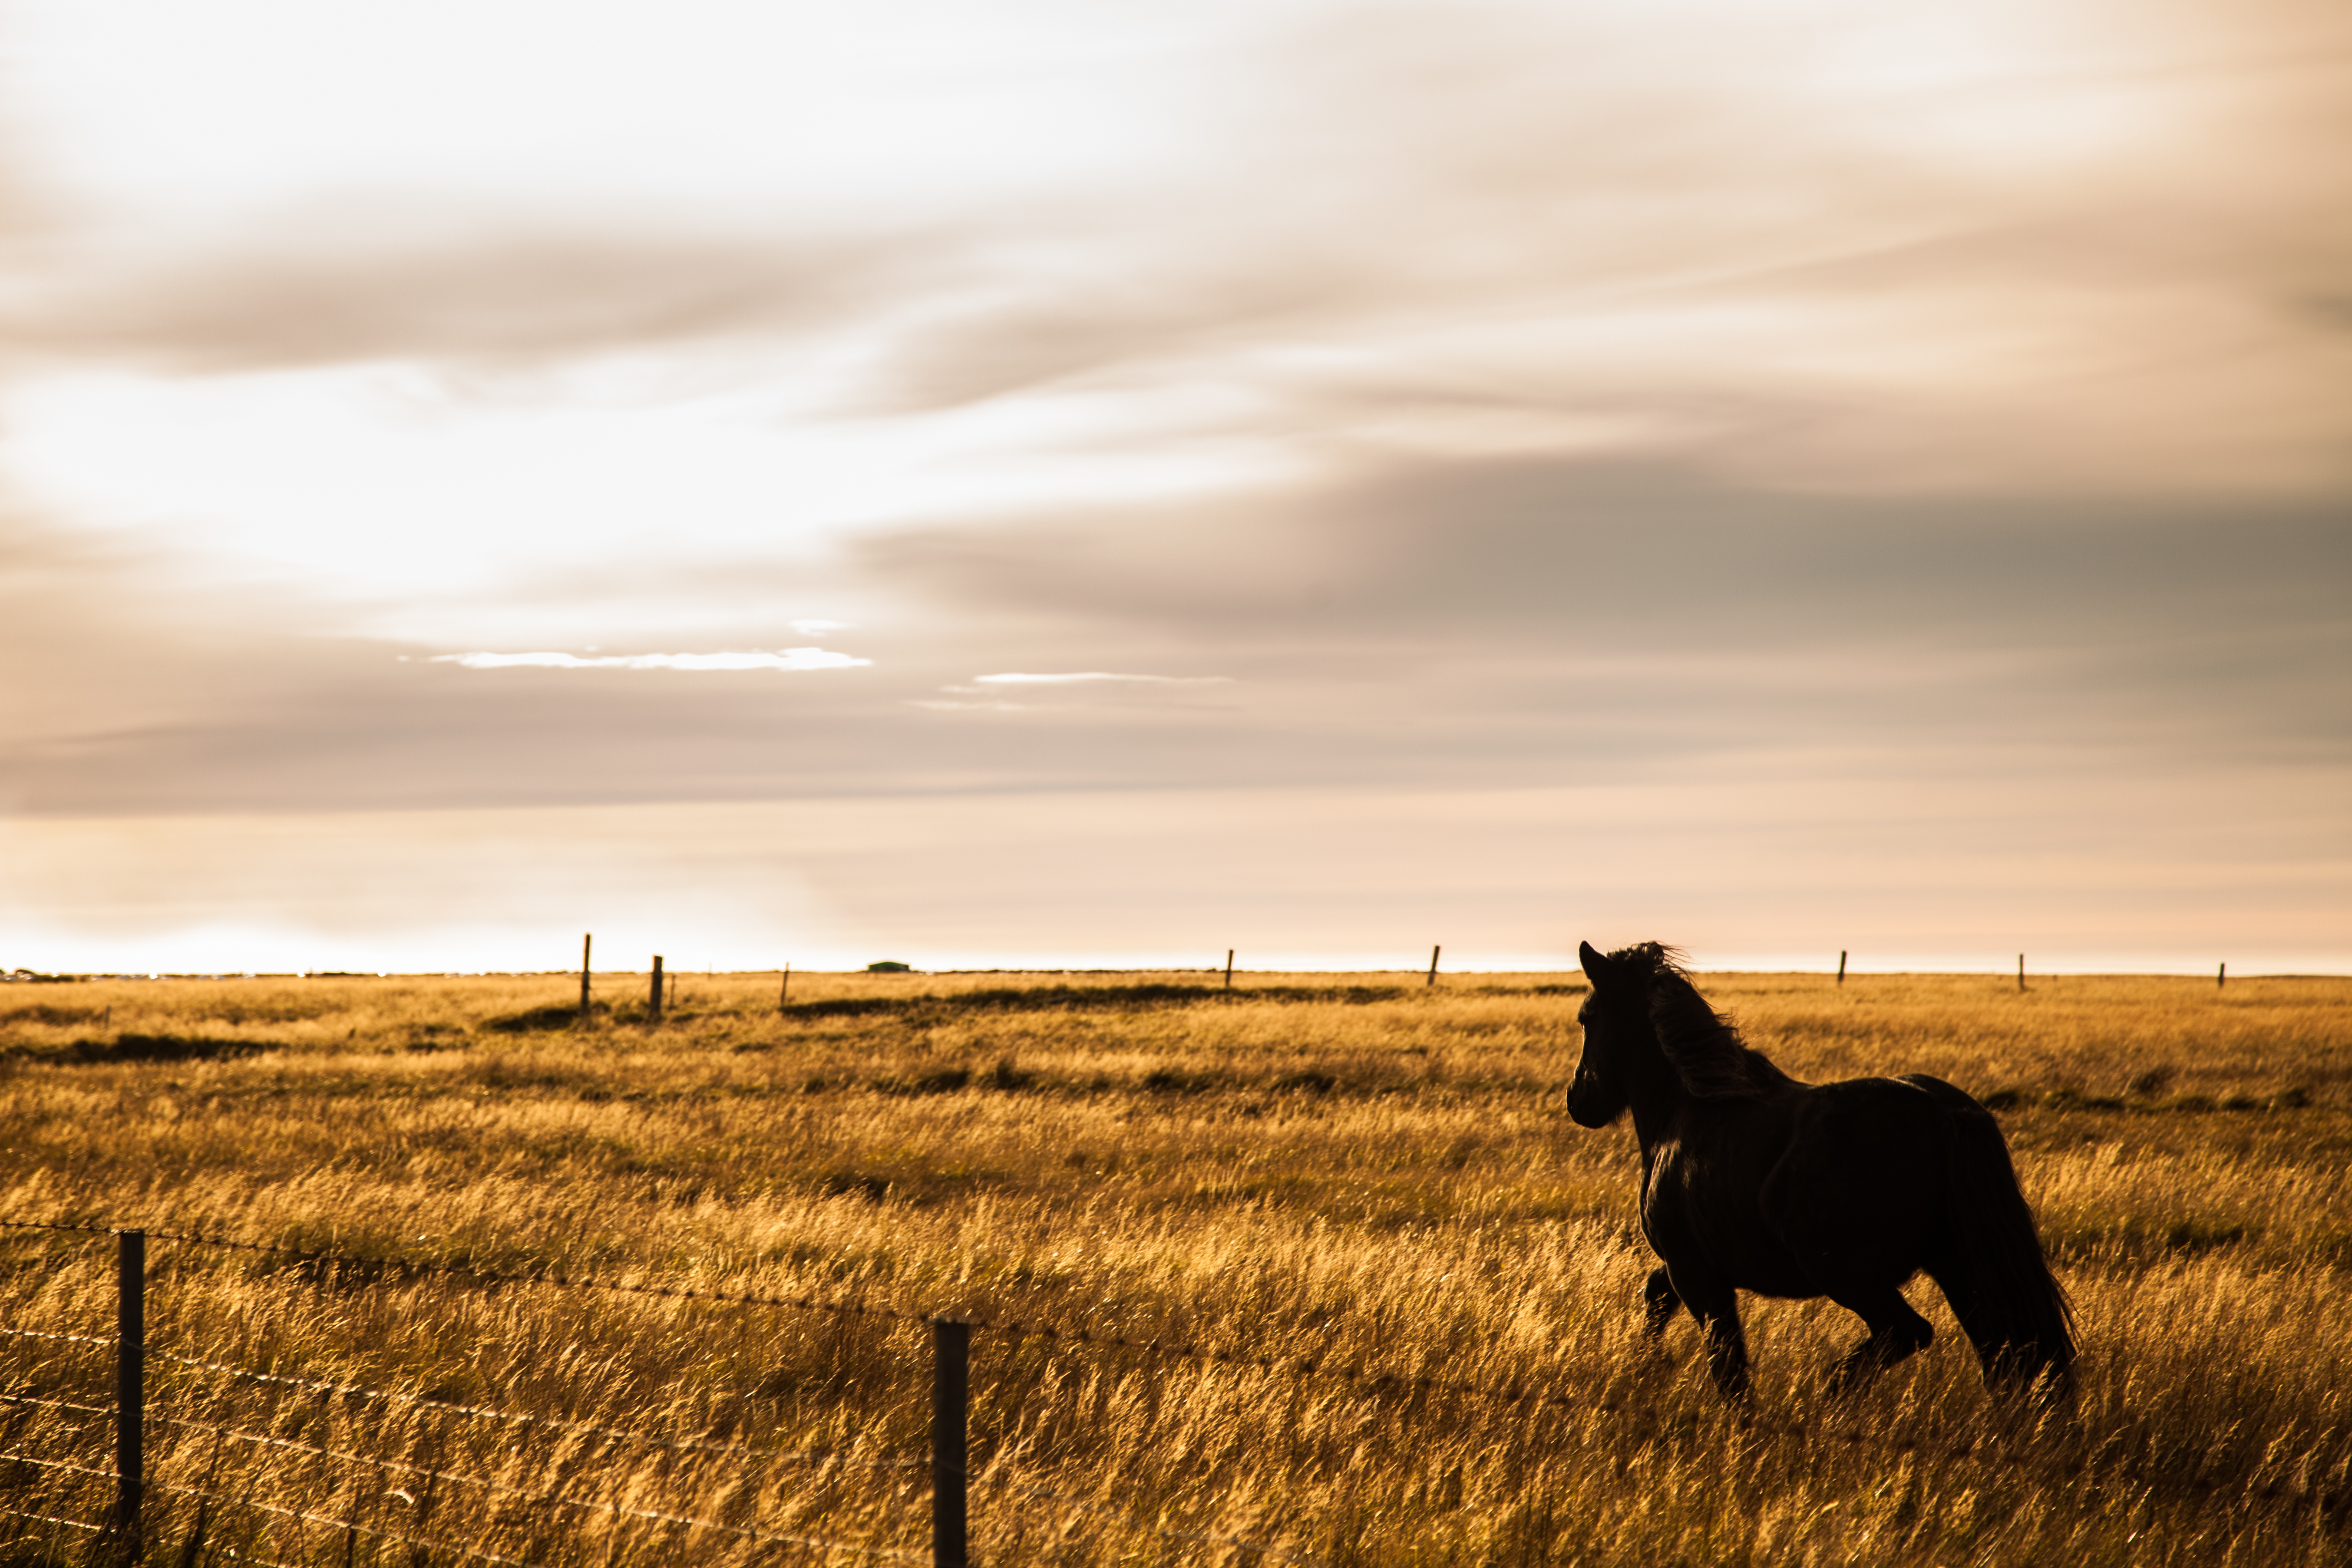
[1651,1130]
[1657,1101]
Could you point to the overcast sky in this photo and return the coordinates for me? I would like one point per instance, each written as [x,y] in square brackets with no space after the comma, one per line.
[1044,483]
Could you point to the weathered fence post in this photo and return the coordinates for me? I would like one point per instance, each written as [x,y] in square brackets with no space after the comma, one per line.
[950,1411]
[2222,978]
[784,989]
[1841,967]
[585,943]
[1433,966]
[1228,969]
[129,1388]
[2021,971]
[653,1005]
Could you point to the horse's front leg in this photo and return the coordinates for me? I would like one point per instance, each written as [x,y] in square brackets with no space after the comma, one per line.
[1716,1307]
[1659,1303]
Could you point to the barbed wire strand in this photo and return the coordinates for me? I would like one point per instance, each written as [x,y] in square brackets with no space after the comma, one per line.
[540,1277]
[231,1551]
[987,1478]
[1987,1451]
[1302,1367]
[429,1472]
[57,1465]
[757,1537]
[493,1276]
[484,1413]
[296,1513]
[54,1518]
[56,1404]
[59,1224]
[77,1339]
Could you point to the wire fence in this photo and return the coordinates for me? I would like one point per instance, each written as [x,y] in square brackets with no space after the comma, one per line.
[946,1463]
[412,1268]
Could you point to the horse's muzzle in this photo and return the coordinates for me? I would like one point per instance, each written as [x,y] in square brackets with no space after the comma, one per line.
[1591,1105]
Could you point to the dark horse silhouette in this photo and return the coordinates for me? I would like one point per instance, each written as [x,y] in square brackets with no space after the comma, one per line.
[1752,1180]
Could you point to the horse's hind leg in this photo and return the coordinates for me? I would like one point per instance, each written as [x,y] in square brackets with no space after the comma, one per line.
[1897,1334]
[2014,1367]
[1658,1304]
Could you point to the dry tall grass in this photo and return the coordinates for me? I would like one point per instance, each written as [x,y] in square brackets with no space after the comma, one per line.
[1363,1174]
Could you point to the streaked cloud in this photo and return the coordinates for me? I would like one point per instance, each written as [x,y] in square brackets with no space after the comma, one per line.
[1077,678]
[786,658]
[939,705]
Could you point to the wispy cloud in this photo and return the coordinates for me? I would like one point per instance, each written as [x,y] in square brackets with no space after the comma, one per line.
[812,628]
[1075,677]
[787,659]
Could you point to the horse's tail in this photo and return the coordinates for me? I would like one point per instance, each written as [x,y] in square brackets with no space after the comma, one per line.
[1998,1279]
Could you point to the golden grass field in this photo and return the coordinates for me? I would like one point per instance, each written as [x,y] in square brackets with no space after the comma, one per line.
[1353,1169]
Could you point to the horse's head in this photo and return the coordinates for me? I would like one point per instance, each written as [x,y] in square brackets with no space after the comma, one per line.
[1650,1036]
[1616,1019]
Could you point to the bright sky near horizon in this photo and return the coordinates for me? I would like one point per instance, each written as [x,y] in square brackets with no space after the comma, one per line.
[1046,483]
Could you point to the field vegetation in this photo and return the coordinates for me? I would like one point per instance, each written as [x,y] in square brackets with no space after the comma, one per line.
[1352,1170]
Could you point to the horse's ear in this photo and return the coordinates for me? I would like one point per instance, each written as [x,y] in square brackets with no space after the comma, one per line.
[1596,967]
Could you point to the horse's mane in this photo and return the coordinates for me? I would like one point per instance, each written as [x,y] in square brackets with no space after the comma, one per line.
[1704,1048]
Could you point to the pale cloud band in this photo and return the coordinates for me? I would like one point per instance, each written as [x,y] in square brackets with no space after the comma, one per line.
[1016,678]
[786,658]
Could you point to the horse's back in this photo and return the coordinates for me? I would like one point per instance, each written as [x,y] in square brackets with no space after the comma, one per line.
[1861,1188]
[1942,1093]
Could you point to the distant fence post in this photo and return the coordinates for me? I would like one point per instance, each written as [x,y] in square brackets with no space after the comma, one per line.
[585,943]
[2222,978]
[1841,967]
[2021,971]
[653,1003]
[129,1388]
[950,1413]
[1228,969]
[1432,965]
[784,989]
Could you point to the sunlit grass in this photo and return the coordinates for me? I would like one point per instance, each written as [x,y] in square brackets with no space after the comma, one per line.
[1358,1171]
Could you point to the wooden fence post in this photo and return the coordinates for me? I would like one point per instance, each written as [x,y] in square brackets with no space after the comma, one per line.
[585,943]
[129,1388]
[2222,978]
[951,1416]
[1228,969]
[784,989]
[2021,971]
[653,1003]
[1433,966]
[1841,967]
